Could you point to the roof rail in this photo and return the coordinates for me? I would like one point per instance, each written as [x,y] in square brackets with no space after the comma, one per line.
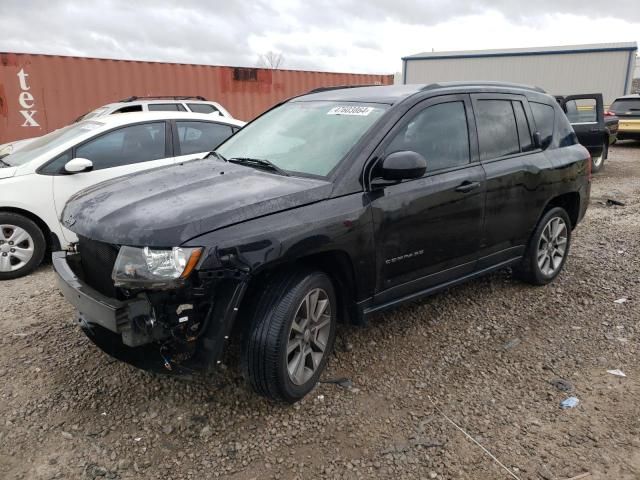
[433,86]
[340,87]
[161,97]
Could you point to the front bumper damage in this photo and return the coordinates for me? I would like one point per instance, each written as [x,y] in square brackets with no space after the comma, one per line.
[178,332]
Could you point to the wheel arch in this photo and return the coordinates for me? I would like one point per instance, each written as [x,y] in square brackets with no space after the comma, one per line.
[53,242]
[569,201]
[337,264]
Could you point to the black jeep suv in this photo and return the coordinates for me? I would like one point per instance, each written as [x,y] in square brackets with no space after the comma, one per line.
[329,207]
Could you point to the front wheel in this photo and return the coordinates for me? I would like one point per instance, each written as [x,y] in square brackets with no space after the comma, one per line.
[291,335]
[22,245]
[548,248]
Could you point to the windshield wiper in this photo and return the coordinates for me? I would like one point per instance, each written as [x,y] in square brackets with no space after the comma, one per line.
[259,163]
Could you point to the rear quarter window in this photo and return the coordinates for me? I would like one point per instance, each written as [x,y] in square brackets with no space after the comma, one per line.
[544,116]
[564,130]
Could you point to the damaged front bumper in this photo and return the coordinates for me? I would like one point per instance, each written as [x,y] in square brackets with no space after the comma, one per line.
[170,332]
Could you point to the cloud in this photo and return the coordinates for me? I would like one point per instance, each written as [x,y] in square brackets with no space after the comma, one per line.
[331,35]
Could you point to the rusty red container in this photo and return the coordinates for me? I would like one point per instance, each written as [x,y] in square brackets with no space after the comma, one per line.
[39,93]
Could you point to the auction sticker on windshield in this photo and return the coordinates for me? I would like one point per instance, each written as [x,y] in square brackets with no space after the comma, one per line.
[351,110]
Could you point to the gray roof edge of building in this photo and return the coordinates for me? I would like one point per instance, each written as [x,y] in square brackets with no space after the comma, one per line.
[513,52]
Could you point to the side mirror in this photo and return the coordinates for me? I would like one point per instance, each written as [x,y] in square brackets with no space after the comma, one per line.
[403,165]
[537,140]
[78,165]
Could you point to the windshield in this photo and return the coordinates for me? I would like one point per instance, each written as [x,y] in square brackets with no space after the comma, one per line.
[49,141]
[305,137]
[625,105]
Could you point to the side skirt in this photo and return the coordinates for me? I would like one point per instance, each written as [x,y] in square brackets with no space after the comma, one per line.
[367,308]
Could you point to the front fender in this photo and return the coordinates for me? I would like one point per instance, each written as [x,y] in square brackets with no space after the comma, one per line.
[343,224]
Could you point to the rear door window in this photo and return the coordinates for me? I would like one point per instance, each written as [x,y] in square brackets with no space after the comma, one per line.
[582,110]
[124,146]
[166,107]
[497,129]
[198,137]
[439,133]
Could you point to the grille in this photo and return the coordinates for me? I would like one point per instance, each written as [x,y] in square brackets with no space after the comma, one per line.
[98,259]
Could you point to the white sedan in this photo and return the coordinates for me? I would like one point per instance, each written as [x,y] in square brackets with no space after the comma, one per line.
[37,180]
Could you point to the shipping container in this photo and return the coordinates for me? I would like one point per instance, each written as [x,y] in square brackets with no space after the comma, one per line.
[39,93]
[605,68]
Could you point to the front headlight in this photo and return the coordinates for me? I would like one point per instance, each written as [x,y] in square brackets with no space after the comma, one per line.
[150,268]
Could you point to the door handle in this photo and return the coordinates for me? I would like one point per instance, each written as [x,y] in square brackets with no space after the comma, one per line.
[467,186]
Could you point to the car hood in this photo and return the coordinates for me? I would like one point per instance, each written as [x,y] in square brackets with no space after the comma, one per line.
[166,207]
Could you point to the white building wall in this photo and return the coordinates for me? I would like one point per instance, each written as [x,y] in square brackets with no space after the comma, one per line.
[559,74]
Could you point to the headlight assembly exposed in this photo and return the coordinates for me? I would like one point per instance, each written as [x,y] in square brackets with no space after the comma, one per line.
[149,268]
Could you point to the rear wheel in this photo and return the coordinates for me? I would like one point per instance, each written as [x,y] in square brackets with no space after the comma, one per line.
[597,161]
[22,246]
[548,248]
[291,335]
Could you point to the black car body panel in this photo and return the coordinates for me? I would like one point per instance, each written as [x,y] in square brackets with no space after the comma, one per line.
[171,205]
[381,242]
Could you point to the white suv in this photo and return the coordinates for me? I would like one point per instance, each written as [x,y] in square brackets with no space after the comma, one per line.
[37,180]
[136,105]
[159,104]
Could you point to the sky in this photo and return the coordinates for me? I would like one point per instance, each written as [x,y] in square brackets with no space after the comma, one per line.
[363,36]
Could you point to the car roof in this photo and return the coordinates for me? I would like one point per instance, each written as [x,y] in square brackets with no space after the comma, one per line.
[629,97]
[389,94]
[135,117]
[392,94]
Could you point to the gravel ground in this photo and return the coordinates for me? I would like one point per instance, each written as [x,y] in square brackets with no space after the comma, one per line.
[493,356]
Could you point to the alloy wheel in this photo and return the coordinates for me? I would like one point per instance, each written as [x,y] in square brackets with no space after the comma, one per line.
[308,337]
[552,246]
[16,248]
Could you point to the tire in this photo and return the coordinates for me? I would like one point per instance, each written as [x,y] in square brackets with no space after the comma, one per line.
[597,163]
[272,331]
[21,258]
[536,272]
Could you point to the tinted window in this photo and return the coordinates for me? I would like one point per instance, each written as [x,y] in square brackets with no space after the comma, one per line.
[129,109]
[134,144]
[197,137]
[202,108]
[165,107]
[439,133]
[566,135]
[497,131]
[544,117]
[524,132]
[625,105]
[582,110]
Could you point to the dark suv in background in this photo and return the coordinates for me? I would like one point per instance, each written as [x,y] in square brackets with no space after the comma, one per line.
[330,207]
[627,109]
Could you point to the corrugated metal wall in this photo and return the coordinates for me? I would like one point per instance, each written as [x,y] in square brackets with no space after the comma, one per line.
[39,93]
[561,74]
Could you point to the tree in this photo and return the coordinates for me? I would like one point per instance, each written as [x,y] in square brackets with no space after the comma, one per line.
[272,60]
